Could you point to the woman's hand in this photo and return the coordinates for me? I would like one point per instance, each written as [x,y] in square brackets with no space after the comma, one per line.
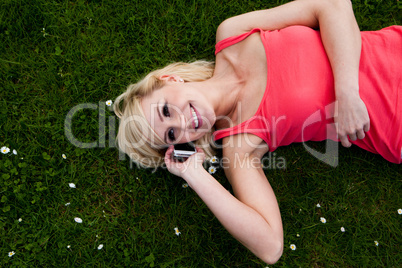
[352,119]
[181,169]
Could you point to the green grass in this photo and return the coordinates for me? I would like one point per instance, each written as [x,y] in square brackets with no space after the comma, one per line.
[55,55]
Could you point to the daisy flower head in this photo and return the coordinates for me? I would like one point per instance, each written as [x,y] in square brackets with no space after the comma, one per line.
[78,220]
[213,160]
[212,170]
[5,150]
[185,185]
[64,156]
[44,32]
[100,246]
[11,253]
[343,229]
[400,211]
[376,243]
[323,220]
[293,247]
[68,246]
[67,204]
[176,231]
[109,103]
[72,185]
[20,219]
[15,152]
[318,205]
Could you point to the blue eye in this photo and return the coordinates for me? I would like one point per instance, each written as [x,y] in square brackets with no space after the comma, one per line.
[165,110]
[171,135]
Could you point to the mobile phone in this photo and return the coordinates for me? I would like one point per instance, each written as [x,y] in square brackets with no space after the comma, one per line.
[183,151]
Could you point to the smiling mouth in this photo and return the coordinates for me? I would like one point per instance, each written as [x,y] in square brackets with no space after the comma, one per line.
[196,122]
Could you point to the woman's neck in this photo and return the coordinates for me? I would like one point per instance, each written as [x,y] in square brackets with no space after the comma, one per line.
[223,93]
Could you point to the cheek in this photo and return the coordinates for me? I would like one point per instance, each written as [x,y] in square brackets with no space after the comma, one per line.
[187,136]
[176,97]
[198,135]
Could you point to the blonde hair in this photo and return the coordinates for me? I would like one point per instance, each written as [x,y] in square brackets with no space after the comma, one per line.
[135,136]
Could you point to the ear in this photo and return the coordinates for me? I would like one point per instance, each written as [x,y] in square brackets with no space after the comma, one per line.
[171,78]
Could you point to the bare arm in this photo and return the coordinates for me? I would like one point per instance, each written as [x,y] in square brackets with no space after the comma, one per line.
[342,42]
[341,38]
[253,216]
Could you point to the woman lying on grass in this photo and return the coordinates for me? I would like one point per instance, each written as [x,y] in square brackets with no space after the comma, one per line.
[275,81]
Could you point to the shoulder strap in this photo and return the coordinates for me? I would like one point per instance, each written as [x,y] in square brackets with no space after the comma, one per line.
[233,40]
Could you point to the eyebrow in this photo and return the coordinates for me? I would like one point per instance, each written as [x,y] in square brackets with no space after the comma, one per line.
[159,112]
[161,118]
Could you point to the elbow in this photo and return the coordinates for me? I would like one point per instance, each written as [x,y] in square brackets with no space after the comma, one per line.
[339,5]
[272,255]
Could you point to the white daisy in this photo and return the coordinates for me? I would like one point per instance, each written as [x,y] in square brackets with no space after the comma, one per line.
[376,243]
[214,160]
[400,211]
[185,185]
[5,150]
[44,32]
[323,220]
[78,220]
[15,152]
[298,235]
[11,253]
[20,219]
[72,185]
[68,246]
[100,246]
[212,170]
[293,247]
[109,103]
[318,205]
[343,229]
[67,204]
[176,231]
[64,156]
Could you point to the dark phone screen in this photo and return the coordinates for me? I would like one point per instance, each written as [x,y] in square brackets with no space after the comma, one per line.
[185,147]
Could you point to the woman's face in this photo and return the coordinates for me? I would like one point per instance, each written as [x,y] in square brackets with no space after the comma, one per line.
[178,113]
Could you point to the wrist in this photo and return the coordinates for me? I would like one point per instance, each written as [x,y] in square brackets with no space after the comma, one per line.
[194,173]
[346,92]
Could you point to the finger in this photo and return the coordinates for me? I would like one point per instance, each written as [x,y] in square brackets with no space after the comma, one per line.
[168,154]
[199,150]
[360,134]
[366,127]
[352,137]
[169,151]
[345,142]
[199,155]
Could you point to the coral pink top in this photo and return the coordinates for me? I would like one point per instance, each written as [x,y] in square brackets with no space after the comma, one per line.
[299,99]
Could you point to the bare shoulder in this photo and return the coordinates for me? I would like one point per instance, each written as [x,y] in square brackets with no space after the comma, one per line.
[242,148]
[228,28]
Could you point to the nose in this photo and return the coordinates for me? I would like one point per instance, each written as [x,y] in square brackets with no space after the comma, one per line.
[180,122]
